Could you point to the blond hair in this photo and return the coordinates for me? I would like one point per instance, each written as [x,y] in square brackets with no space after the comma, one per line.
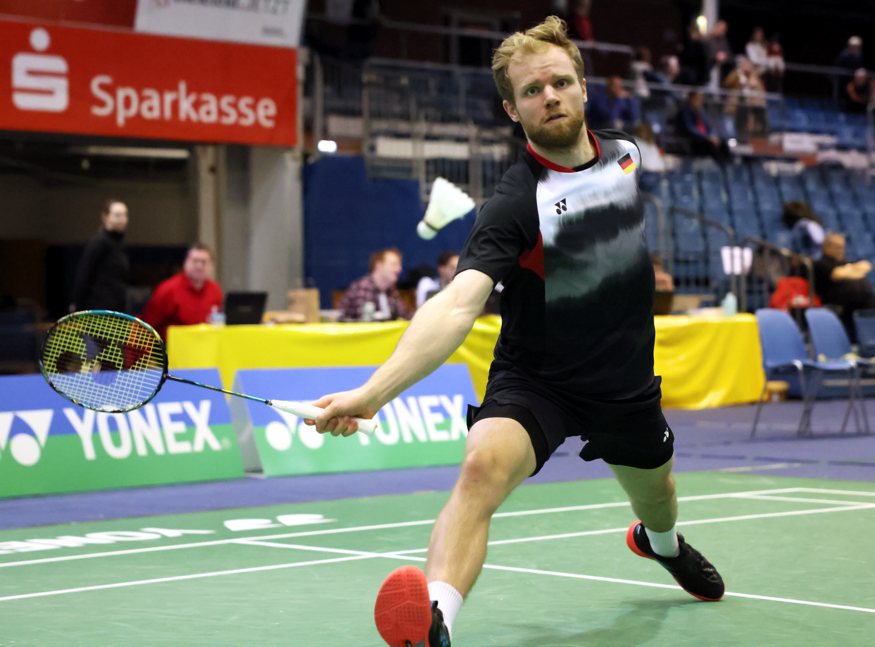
[535,40]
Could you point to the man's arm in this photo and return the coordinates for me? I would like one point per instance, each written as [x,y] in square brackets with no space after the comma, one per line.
[438,328]
[851,271]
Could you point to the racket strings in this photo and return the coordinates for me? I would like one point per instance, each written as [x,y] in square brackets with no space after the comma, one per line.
[104,361]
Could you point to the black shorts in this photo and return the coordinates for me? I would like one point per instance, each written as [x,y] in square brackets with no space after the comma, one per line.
[627,431]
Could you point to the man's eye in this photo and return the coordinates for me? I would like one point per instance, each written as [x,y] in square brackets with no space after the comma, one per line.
[530,92]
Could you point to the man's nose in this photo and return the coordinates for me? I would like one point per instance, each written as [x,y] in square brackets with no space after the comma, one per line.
[550,95]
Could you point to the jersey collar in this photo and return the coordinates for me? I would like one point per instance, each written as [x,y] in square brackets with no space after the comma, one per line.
[543,161]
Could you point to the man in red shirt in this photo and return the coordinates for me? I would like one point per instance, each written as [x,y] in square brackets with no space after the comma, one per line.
[188,297]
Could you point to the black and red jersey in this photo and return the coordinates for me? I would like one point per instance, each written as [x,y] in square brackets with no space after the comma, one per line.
[568,246]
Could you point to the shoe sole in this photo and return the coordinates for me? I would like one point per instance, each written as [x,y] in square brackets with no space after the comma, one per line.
[630,542]
[402,611]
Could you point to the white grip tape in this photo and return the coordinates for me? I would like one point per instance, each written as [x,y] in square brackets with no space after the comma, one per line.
[304,410]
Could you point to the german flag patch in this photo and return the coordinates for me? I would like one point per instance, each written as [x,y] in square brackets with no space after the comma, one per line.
[627,163]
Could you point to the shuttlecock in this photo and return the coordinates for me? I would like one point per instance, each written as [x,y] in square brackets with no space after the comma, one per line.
[447,203]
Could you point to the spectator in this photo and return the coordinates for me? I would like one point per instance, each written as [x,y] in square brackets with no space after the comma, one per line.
[693,59]
[654,162]
[663,280]
[429,286]
[188,297]
[757,51]
[841,284]
[858,92]
[612,108]
[806,230]
[642,74]
[696,126]
[375,296]
[748,102]
[849,59]
[101,277]
[580,28]
[721,59]
[774,77]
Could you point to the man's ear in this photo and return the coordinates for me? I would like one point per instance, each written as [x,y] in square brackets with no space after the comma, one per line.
[583,87]
[510,109]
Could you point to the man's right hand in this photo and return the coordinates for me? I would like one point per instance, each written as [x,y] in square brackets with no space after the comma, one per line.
[341,409]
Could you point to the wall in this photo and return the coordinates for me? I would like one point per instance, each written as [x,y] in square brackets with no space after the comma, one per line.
[347,217]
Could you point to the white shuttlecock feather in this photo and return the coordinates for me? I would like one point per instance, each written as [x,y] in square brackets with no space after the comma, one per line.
[446,203]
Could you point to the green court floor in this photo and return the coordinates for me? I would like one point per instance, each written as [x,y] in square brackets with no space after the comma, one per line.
[797,556]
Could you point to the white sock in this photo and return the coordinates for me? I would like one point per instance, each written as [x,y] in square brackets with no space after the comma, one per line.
[449,601]
[664,543]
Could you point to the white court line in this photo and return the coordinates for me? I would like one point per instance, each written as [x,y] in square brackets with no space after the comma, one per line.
[769,497]
[356,555]
[382,526]
[759,468]
[815,490]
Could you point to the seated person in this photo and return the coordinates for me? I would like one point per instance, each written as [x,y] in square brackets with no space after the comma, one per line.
[612,108]
[428,286]
[806,230]
[840,283]
[663,280]
[857,92]
[186,298]
[375,296]
[696,126]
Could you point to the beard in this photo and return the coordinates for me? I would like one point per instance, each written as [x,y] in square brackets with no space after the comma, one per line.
[563,135]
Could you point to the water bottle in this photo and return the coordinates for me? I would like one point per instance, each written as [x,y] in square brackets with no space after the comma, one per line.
[730,305]
[368,309]
[217,317]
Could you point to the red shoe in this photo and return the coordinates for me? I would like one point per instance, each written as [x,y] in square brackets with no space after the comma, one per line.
[403,610]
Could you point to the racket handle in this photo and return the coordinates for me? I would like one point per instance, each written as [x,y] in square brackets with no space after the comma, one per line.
[304,410]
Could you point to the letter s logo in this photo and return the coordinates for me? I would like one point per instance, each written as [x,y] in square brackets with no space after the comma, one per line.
[39,81]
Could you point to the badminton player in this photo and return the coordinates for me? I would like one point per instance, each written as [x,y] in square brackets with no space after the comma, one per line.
[564,233]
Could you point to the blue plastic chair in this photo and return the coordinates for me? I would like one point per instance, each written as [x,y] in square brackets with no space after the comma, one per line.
[830,343]
[785,355]
[864,324]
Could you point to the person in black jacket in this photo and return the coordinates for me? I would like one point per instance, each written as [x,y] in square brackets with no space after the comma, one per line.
[101,278]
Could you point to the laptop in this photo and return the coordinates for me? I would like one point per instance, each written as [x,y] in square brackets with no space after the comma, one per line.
[244,307]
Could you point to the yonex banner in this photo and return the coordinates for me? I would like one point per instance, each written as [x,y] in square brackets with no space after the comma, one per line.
[263,22]
[425,425]
[49,445]
[112,83]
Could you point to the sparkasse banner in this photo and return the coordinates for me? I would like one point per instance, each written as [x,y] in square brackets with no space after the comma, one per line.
[425,425]
[113,83]
[50,445]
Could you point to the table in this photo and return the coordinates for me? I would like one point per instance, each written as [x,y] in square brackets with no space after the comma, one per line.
[704,361]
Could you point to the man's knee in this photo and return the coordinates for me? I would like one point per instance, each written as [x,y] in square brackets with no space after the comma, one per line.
[487,467]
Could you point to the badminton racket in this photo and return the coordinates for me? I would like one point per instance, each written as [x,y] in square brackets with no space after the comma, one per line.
[112,362]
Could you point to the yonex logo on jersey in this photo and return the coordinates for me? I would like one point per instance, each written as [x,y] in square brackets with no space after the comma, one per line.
[561,206]
[25,448]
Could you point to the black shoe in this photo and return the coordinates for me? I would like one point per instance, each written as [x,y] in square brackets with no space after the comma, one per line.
[696,575]
[438,635]
[404,614]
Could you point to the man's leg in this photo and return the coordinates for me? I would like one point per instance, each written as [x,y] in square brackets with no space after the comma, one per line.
[652,495]
[498,457]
